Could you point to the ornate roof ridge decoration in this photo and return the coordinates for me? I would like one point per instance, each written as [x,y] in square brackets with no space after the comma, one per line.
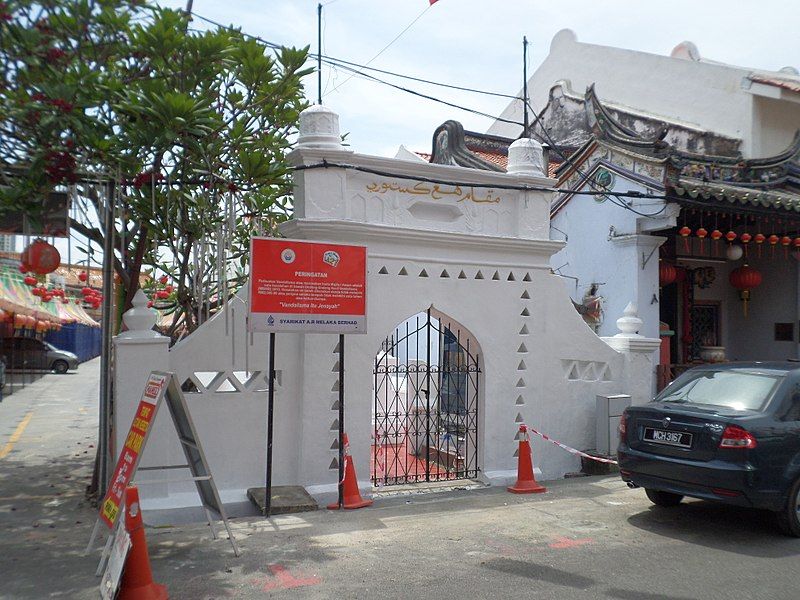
[450,147]
[605,126]
[778,172]
[736,194]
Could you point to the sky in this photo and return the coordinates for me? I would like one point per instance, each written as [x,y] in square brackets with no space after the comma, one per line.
[478,44]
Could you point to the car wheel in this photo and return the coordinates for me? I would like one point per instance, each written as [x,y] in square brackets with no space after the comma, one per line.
[660,498]
[789,517]
[60,367]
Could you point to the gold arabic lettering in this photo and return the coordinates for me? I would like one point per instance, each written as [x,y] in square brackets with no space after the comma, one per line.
[437,192]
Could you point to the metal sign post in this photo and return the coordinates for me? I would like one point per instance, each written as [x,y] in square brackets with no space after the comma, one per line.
[270,412]
[306,287]
[341,420]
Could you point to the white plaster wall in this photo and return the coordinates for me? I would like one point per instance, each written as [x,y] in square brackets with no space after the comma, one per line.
[774,125]
[709,95]
[541,364]
[615,263]
[684,90]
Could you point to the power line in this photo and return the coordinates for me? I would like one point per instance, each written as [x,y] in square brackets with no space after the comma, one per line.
[346,65]
[332,59]
[386,47]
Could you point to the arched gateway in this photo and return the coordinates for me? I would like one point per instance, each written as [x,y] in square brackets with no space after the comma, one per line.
[433,404]
[426,402]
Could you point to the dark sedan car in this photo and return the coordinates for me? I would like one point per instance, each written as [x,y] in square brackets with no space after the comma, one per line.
[729,433]
[30,354]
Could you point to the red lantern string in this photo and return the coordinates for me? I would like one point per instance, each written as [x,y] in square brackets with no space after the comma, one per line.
[745,237]
[685,232]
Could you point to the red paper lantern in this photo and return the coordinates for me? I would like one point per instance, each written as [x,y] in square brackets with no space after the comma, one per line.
[759,238]
[730,236]
[797,242]
[169,289]
[773,239]
[37,291]
[31,281]
[47,297]
[83,276]
[162,294]
[87,291]
[786,240]
[42,258]
[744,279]
[667,274]
[746,237]
[716,234]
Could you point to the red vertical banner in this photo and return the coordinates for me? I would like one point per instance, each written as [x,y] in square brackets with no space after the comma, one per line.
[132,448]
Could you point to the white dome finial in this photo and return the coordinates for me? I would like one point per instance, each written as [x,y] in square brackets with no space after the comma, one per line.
[319,128]
[526,157]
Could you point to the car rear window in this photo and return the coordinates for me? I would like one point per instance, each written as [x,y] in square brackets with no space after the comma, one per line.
[740,390]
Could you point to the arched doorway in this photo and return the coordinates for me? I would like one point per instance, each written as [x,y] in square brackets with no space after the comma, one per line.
[425,411]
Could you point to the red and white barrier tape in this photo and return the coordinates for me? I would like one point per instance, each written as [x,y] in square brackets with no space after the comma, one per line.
[571,450]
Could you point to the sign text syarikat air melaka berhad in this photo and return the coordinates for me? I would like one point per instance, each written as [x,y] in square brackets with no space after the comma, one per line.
[310,287]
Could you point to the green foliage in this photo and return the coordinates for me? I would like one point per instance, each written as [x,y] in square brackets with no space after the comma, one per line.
[180,120]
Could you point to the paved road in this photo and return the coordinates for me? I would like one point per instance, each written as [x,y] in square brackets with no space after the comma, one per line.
[585,538]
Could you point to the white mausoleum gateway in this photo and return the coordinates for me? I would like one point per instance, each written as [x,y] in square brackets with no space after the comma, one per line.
[465,254]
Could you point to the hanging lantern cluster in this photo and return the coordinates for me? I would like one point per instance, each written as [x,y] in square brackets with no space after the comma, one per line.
[160,292]
[40,258]
[745,279]
[92,297]
[739,242]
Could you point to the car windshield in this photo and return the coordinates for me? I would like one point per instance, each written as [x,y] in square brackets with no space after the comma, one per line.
[740,390]
[51,347]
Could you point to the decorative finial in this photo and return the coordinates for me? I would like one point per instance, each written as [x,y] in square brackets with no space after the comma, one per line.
[526,157]
[319,128]
[629,323]
[140,320]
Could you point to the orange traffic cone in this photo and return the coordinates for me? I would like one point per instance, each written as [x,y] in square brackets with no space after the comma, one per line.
[137,578]
[526,482]
[351,497]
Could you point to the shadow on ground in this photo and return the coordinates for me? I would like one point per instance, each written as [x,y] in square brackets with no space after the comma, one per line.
[738,530]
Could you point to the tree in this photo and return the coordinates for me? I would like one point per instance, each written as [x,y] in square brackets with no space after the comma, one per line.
[184,131]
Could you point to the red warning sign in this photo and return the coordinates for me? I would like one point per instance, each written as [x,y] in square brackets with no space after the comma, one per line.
[312,287]
[129,457]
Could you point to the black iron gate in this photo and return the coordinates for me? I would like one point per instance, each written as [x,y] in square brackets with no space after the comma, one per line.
[425,413]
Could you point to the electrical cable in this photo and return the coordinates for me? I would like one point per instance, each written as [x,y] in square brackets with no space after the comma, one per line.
[340,61]
[522,188]
[587,179]
[387,46]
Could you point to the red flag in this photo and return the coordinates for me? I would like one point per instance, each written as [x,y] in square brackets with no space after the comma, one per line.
[433,2]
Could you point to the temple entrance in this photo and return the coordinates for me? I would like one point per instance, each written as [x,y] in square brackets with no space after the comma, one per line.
[425,414]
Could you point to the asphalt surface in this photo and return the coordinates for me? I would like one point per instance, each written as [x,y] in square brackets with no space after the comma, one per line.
[585,538]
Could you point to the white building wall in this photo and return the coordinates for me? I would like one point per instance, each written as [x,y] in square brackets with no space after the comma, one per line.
[708,95]
[775,123]
[613,259]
